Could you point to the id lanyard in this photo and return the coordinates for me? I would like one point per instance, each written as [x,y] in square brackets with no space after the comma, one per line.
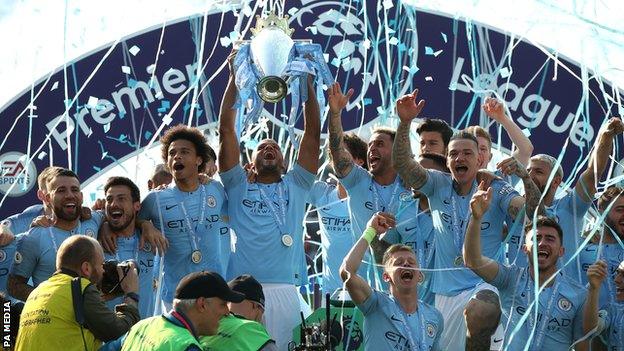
[54,243]
[539,337]
[377,198]
[279,214]
[192,231]
[408,330]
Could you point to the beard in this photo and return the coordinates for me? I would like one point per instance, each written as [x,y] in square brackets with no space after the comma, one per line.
[614,227]
[123,225]
[59,212]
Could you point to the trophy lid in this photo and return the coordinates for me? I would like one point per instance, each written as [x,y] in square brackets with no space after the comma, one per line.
[272,20]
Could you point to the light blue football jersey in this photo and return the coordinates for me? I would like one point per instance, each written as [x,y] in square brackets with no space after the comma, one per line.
[337,239]
[128,249]
[415,228]
[268,222]
[20,223]
[35,256]
[560,310]
[388,327]
[613,254]
[366,197]
[450,213]
[188,232]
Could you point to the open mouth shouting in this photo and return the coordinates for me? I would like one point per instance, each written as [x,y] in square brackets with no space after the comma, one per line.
[461,170]
[407,275]
[116,214]
[177,166]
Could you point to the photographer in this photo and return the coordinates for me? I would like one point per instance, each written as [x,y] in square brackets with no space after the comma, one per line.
[122,205]
[62,315]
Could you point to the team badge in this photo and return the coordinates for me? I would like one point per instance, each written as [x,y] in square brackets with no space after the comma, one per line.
[3,256]
[147,247]
[431,330]
[90,232]
[212,202]
[405,196]
[18,257]
[564,304]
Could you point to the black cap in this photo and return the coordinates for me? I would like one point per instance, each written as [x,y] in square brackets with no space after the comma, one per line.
[249,286]
[206,284]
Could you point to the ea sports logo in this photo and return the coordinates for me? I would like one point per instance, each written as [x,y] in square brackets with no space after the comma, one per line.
[17,175]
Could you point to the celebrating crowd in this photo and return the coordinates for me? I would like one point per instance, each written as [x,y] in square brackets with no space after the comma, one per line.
[436,251]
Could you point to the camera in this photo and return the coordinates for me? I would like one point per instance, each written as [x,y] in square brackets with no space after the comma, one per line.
[111,284]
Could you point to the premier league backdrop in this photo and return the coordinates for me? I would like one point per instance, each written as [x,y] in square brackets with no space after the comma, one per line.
[112,103]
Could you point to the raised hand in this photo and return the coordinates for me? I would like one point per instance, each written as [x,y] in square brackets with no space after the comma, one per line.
[596,274]
[407,108]
[511,166]
[336,99]
[614,126]
[381,222]
[495,109]
[480,201]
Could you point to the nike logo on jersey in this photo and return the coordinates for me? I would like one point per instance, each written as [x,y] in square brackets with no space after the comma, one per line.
[170,207]
[395,319]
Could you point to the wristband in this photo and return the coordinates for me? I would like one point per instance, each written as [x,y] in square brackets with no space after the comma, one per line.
[132,295]
[369,234]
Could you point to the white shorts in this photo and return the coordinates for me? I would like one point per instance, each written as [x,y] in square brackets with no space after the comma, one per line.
[453,337]
[281,315]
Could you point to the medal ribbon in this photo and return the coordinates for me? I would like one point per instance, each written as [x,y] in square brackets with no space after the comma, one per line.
[192,233]
[276,212]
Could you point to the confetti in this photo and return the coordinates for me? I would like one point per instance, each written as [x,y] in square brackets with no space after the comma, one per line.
[505,72]
[428,51]
[125,69]
[444,37]
[93,101]
[54,86]
[393,41]
[134,50]
[387,4]
[429,78]
[437,53]
[42,155]
[526,132]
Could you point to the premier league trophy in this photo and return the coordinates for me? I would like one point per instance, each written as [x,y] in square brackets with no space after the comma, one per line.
[272,65]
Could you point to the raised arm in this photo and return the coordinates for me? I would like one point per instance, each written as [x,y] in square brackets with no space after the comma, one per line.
[496,111]
[532,193]
[596,274]
[358,288]
[311,141]
[586,185]
[484,267]
[410,171]
[229,153]
[341,159]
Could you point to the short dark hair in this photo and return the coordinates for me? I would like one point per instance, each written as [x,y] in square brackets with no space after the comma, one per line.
[182,132]
[356,147]
[436,125]
[462,134]
[76,250]
[608,196]
[543,221]
[395,248]
[438,159]
[134,190]
[60,172]
[385,130]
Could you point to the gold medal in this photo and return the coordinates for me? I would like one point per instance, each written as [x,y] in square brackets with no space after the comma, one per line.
[196,256]
[459,261]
